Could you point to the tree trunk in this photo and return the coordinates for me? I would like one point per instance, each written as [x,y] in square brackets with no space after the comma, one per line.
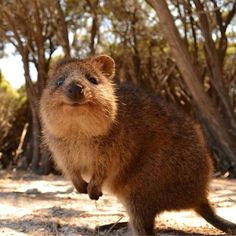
[33,155]
[207,111]
[64,31]
[26,155]
[215,67]
[35,140]
[95,26]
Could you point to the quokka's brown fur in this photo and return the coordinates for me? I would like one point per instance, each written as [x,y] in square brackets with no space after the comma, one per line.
[118,138]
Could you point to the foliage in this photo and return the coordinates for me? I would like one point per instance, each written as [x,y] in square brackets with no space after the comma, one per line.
[12,120]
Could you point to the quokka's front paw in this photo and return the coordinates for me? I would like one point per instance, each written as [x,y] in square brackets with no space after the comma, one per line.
[81,186]
[93,191]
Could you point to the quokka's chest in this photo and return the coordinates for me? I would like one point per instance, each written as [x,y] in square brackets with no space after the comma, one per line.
[76,155]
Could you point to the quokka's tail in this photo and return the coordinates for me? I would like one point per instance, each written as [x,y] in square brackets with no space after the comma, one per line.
[207,212]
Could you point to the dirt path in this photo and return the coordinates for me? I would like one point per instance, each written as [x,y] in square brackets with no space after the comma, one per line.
[36,205]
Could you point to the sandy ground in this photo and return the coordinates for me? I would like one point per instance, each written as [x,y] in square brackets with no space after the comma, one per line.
[48,205]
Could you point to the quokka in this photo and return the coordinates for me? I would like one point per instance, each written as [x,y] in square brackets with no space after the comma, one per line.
[118,138]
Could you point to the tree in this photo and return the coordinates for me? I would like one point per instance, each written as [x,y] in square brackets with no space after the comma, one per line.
[201,80]
[215,126]
[36,29]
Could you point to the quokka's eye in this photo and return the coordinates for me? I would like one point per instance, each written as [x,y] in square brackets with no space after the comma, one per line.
[60,81]
[92,80]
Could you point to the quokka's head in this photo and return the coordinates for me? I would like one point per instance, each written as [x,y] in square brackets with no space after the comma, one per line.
[79,97]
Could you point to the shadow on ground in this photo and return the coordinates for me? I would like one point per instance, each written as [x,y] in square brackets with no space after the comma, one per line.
[44,227]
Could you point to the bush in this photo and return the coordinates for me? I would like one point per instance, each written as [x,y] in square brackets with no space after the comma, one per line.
[13,109]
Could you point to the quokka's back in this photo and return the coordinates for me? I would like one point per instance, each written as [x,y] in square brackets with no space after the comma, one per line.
[117,137]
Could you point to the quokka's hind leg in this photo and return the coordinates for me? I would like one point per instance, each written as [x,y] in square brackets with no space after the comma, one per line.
[142,217]
[141,225]
[207,212]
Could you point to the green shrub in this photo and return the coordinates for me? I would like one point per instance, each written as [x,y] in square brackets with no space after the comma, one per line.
[13,109]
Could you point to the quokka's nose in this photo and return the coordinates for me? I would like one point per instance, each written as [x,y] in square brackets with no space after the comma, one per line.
[75,91]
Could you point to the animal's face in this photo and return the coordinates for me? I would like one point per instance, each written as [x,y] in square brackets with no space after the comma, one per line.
[80,94]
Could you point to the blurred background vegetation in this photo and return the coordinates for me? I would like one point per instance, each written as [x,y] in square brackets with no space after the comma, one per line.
[183,49]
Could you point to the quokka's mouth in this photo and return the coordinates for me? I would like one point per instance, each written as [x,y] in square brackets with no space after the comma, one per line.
[75,104]
[80,103]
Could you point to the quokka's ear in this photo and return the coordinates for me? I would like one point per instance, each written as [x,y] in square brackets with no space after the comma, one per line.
[105,64]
